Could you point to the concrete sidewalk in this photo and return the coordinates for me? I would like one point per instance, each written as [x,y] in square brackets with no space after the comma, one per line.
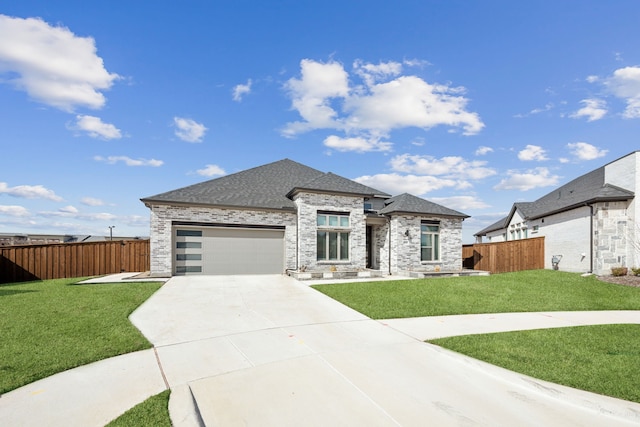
[268,350]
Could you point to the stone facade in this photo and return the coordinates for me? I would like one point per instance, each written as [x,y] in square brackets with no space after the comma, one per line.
[308,206]
[162,217]
[405,244]
[611,237]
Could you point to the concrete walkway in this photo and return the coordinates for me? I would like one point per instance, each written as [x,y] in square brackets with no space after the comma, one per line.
[267,351]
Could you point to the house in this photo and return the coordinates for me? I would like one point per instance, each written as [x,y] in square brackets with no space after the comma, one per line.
[288,217]
[589,224]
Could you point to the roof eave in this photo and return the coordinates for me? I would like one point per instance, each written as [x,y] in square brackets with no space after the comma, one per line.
[147,202]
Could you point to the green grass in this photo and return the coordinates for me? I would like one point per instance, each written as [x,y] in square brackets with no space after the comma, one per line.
[602,359]
[525,291]
[50,326]
[152,412]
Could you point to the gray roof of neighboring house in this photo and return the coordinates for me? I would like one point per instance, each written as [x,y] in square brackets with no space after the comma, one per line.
[407,203]
[586,189]
[266,186]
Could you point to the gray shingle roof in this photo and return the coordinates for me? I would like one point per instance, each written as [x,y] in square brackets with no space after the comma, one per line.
[586,189]
[264,186]
[407,203]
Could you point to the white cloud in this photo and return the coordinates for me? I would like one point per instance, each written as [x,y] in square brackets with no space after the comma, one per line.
[96,128]
[549,106]
[29,192]
[533,152]
[91,201]
[453,167]
[189,130]
[460,202]
[128,161]
[240,90]
[585,151]
[625,84]
[13,210]
[592,79]
[358,144]
[594,109]
[535,178]
[482,150]
[211,170]
[69,209]
[52,64]
[325,99]
[395,183]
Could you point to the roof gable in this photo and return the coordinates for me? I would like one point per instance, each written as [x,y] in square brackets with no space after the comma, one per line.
[408,203]
[332,183]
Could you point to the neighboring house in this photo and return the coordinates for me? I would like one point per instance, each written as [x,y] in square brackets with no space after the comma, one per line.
[288,217]
[589,224]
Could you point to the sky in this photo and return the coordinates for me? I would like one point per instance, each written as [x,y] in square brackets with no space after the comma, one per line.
[474,105]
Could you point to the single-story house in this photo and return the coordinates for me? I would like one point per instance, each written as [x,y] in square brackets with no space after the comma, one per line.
[285,217]
[589,224]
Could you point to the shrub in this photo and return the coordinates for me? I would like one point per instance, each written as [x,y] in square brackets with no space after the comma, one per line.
[635,271]
[619,271]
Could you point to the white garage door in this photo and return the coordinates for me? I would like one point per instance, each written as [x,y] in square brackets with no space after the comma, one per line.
[228,251]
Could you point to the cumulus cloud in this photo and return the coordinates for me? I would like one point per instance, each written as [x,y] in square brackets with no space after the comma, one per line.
[96,128]
[585,151]
[52,64]
[189,130]
[91,201]
[358,144]
[625,84]
[211,170]
[482,150]
[454,167]
[533,152]
[395,183]
[528,180]
[241,90]
[325,98]
[593,109]
[460,202]
[29,192]
[13,210]
[72,212]
[128,161]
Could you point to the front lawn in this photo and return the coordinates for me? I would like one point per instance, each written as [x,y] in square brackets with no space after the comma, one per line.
[50,326]
[152,412]
[525,291]
[602,359]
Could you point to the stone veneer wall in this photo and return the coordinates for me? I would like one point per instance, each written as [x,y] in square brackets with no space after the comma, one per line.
[162,234]
[612,229]
[308,206]
[406,249]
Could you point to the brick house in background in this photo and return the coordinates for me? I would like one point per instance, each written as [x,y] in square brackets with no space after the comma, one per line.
[590,224]
[287,217]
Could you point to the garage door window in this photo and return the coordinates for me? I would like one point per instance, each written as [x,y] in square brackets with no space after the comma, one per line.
[333,237]
[188,251]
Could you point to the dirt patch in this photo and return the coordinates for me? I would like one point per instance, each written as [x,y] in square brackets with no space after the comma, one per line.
[628,280]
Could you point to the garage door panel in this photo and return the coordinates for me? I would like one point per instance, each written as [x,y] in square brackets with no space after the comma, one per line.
[230,251]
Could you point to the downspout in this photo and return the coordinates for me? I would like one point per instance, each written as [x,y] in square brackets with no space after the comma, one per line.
[389,263]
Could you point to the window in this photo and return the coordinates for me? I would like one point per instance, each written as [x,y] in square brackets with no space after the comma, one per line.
[187,245]
[430,241]
[191,233]
[333,236]
[188,257]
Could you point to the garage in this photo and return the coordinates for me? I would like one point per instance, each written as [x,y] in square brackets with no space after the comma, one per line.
[228,250]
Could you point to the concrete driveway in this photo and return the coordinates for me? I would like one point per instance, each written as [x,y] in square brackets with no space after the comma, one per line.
[270,351]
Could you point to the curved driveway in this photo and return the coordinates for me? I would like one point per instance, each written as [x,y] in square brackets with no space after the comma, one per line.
[270,351]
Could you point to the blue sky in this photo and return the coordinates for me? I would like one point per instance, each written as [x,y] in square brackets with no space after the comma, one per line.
[474,105]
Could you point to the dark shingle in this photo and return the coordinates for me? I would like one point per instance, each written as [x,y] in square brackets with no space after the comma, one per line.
[407,203]
[266,186]
[261,187]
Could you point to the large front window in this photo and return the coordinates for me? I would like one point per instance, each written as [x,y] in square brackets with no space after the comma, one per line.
[333,237]
[430,242]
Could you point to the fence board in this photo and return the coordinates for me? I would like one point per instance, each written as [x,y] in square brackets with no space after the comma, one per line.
[504,257]
[62,260]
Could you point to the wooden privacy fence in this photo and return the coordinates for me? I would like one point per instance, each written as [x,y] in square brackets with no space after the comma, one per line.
[41,262]
[504,257]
